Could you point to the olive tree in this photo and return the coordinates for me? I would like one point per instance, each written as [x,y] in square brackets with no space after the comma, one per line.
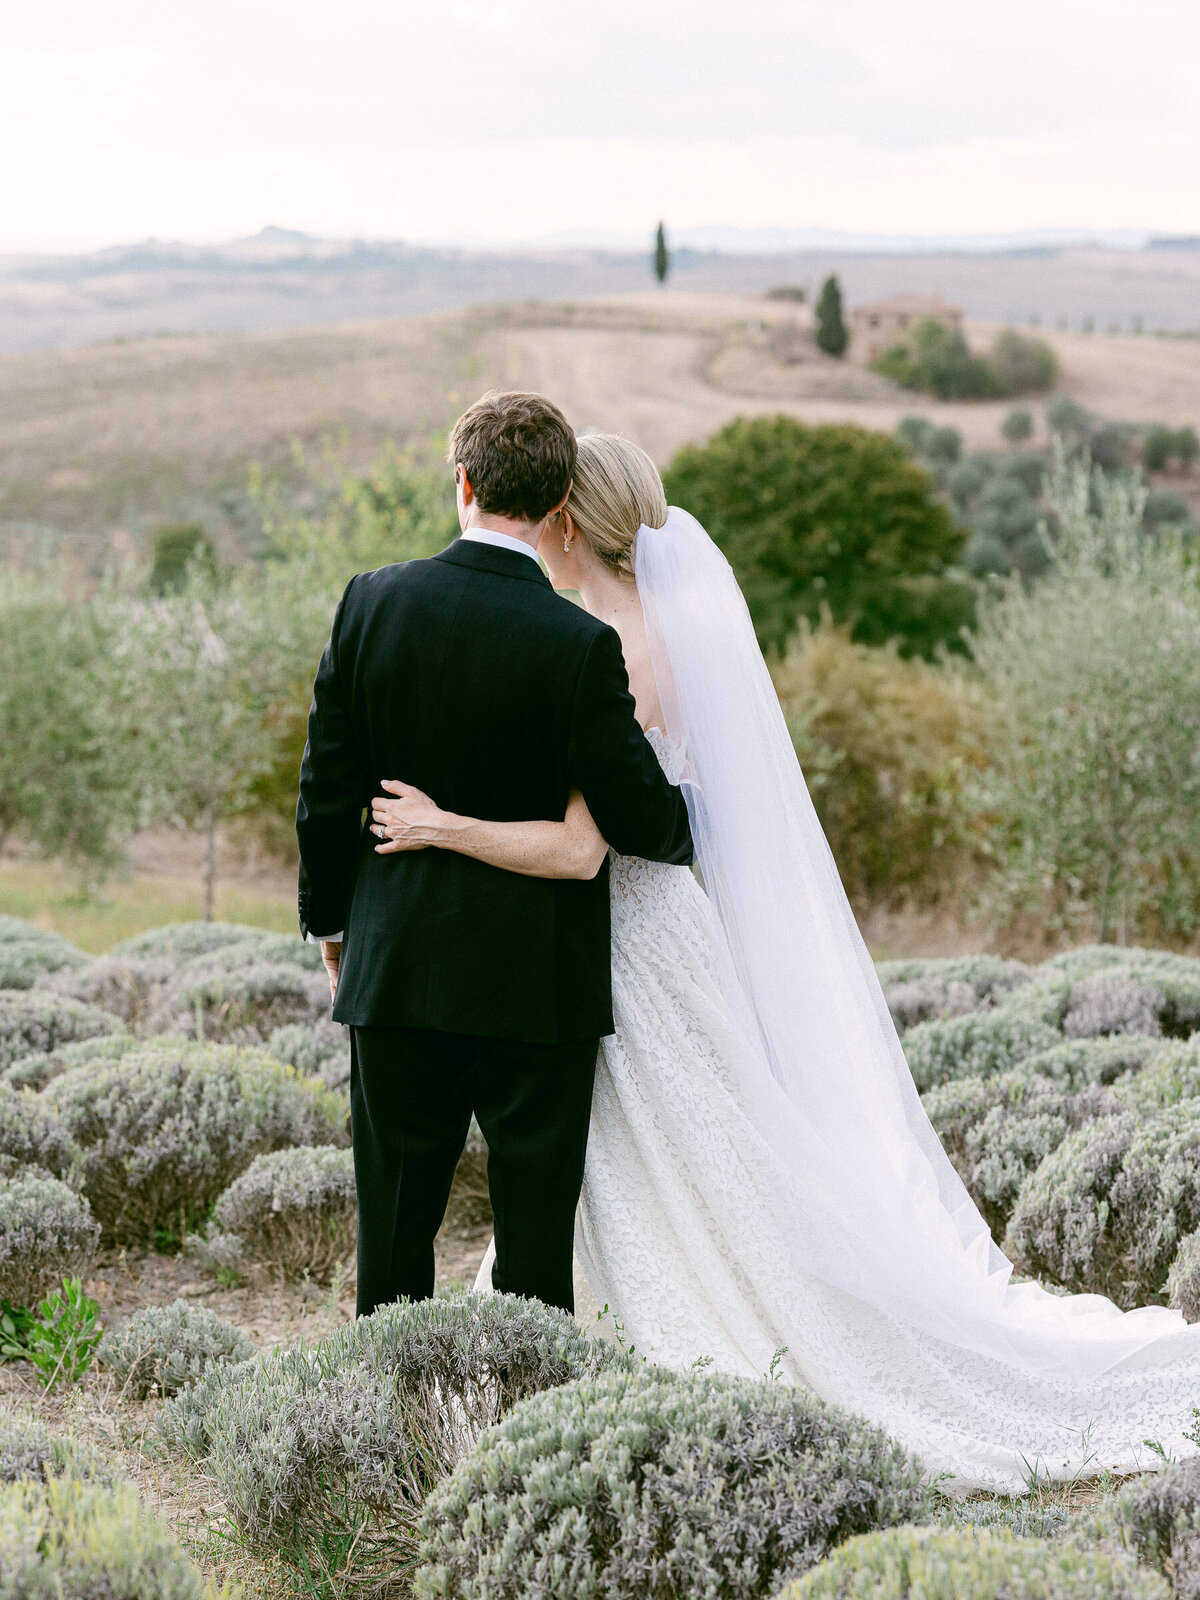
[72,736]
[217,665]
[1095,783]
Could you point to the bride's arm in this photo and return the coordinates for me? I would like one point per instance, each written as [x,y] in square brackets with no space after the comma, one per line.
[572,848]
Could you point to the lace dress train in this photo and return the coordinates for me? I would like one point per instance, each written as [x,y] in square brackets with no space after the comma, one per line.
[702,1214]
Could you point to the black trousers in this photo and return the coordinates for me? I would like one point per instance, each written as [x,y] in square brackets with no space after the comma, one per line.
[412,1092]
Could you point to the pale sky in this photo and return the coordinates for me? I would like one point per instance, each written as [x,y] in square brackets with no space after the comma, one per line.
[508,120]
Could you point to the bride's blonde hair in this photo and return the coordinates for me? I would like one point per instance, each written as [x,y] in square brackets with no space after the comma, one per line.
[616,489]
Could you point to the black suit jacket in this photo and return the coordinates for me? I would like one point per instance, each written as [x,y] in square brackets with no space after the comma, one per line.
[468,676]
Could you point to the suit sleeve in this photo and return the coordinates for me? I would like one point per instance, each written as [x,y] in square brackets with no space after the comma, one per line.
[611,762]
[334,788]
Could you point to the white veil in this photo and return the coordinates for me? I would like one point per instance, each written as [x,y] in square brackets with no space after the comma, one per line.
[887,1218]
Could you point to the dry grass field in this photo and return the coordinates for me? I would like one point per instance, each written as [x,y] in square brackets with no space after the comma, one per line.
[122,435]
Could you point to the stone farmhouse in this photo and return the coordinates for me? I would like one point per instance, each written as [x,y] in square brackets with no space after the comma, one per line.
[878,326]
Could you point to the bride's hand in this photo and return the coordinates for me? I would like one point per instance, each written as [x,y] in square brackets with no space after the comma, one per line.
[410,821]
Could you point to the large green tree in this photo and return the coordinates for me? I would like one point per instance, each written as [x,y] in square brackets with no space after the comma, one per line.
[828,519]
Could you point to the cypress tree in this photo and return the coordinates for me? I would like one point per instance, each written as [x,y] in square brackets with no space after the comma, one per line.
[831,330]
[662,261]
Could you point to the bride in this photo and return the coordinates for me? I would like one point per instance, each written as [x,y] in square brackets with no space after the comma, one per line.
[761,1174]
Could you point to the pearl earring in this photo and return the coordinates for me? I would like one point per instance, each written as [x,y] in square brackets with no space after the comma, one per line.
[566,546]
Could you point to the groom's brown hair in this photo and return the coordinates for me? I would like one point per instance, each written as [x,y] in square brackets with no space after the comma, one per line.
[518,452]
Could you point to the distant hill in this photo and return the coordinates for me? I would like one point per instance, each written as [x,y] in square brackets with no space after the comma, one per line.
[280,279]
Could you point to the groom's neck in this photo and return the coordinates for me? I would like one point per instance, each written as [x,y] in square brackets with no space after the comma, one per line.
[529,533]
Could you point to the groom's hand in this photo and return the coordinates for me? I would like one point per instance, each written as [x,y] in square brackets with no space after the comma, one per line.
[409,821]
[331,955]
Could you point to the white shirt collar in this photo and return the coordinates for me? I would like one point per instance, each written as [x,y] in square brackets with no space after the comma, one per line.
[502,541]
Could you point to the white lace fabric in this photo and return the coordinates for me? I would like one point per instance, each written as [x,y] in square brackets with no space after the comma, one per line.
[701,1208]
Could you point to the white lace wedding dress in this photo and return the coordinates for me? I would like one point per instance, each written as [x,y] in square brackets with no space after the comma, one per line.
[760,1170]
[692,1231]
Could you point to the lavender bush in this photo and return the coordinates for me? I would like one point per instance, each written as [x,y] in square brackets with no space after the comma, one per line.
[974,1564]
[979,1045]
[32,1022]
[324,1456]
[130,987]
[243,1002]
[35,1072]
[1108,1210]
[294,1211]
[77,1539]
[24,961]
[168,1127]
[33,1135]
[163,1348]
[645,1482]
[46,1234]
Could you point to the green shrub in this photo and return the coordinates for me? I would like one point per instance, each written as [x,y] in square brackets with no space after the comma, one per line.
[1160,1518]
[1017,427]
[322,1050]
[989,977]
[294,1210]
[35,1072]
[29,1448]
[1183,1280]
[1106,1212]
[978,1045]
[885,745]
[960,1104]
[46,1234]
[58,1337]
[32,1135]
[24,961]
[243,1002]
[32,1022]
[1166,508]
[1173,1075]
[1113,1002]
[68,1538]
[1093,785]
[130,987]
[181,941]
[931,989]
[647,1482]
[324,1456]
[1014,1137]
[820,518]
[1178,977]
[1161,446]
[1031,1516]
[162,1348]
[178,547]
[937,360]
[276,949]
[997,1130]
[18,930]
[167,1128]
[974,1564]
[1022,364]
[1076,1062]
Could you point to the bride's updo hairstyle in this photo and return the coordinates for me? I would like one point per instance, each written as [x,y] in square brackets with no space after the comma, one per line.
[616,489]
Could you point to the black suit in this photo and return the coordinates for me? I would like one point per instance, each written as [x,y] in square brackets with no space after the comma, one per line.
[468,987]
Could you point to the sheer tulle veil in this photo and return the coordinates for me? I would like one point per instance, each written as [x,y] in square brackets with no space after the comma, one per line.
[886,1217]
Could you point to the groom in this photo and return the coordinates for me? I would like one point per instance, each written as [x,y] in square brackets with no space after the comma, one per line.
[468,988]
